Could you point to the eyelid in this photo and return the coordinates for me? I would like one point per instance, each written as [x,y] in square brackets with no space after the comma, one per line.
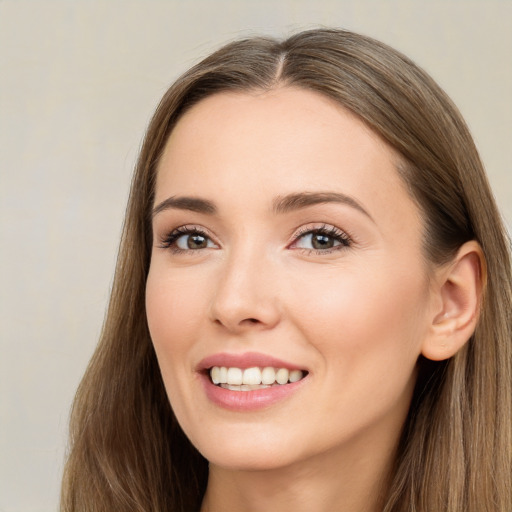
[168,239]
[327,229]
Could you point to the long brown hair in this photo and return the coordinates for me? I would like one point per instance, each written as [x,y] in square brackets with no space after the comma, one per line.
[127,451]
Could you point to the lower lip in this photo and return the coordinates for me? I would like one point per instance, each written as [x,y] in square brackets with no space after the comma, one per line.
[245,401]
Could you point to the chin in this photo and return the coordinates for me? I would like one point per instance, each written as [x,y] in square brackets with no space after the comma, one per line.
[255,460]
[251,451]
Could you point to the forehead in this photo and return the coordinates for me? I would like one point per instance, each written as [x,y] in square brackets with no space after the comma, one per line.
[282,141]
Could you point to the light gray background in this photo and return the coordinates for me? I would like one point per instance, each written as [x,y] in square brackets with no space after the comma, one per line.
[78,83]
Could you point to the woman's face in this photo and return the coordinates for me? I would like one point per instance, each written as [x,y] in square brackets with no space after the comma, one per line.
[284,238]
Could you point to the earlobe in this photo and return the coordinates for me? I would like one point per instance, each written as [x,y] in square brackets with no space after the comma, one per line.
[458,292]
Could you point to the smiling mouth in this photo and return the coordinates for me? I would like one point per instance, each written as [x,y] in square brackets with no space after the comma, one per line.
[250,379]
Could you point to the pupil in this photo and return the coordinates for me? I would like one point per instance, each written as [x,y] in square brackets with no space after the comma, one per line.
[196,242]
[322,242]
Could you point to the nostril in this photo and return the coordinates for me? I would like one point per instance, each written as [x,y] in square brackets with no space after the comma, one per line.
[245,321]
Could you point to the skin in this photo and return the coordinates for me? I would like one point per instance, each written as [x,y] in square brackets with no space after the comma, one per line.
[355,317]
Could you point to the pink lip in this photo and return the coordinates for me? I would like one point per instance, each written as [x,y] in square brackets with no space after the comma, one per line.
[245,360]
[246,401]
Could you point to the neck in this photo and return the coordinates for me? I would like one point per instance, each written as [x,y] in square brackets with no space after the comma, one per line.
[343,480]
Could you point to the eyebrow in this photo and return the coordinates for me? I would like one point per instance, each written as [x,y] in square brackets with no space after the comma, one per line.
[193,204]
[292,202]
[280,205]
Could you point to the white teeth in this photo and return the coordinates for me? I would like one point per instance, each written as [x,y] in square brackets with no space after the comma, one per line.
[282,376]
[252,378]
[268,375]
[235,376]
[215,374]
[295,375]
[243,387]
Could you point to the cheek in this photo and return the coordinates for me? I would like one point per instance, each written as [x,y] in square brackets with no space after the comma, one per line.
[176,309]
[367,334]
[364,323]
[173,304]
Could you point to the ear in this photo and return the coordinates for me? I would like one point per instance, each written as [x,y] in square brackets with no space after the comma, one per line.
[457,292]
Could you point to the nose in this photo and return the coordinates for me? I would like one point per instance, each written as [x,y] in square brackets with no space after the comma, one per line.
[247,295]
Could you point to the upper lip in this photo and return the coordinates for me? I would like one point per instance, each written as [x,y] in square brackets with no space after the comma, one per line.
[245,360]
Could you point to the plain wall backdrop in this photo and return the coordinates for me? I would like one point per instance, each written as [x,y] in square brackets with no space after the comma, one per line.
[78,83]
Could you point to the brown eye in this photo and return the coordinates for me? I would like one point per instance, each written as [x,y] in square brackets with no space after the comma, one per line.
[187,239]
[196,241]
[321,241]
[193,241]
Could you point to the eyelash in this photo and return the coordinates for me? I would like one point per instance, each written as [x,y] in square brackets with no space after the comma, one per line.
[329,231]
[169,241]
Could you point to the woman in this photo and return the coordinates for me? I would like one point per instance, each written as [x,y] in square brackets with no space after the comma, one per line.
[311,308]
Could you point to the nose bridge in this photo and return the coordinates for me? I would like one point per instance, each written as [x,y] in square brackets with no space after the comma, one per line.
[246,295]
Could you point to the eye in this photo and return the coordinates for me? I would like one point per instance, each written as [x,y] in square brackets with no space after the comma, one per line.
[193,241]
[187,239]
[324,239]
